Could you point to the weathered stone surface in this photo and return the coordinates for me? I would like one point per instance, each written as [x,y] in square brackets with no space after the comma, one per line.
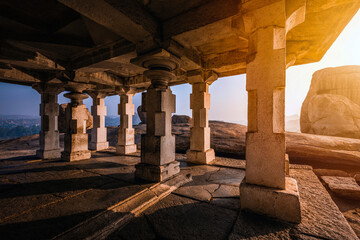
[276,203]
[61,118]
[357,177]
[331,172]
[334,115]
[321,218]
[343,186]
[182,218]
[353,217]
[331,106]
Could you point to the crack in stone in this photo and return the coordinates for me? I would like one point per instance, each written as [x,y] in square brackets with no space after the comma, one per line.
[211,174]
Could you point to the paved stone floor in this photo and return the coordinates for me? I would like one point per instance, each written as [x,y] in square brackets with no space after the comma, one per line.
[41,199]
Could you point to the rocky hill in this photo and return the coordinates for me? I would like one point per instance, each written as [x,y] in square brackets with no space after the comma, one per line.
[332,105]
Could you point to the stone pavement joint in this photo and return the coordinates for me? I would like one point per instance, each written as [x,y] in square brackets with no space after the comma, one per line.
[118,215]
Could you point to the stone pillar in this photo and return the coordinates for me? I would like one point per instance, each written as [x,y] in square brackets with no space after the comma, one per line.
[158,144]
[126,132]
[98,132]
[200,151]
[76,138]
[49,134]
[266,188]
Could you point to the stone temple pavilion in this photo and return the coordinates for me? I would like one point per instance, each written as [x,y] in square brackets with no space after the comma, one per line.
[122,47]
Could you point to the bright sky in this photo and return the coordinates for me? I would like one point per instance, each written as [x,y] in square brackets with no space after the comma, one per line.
[228,95]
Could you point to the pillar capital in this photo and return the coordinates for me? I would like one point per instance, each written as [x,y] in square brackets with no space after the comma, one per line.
[127,90]
[201,76]
[76,97]
[96,94]
[160,64]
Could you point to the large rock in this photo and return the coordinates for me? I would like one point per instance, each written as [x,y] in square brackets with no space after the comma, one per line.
[175,119]
[334,115]
[331,106]
[141,114]
[61,119]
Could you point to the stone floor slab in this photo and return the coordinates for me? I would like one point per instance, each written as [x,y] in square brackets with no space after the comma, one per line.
[343,186]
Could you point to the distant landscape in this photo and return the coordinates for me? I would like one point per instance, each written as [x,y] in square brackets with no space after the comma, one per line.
[14,126]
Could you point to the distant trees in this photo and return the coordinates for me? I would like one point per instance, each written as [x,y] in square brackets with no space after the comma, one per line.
[18,131]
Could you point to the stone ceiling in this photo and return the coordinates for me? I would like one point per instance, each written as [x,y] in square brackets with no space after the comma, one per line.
[93,41]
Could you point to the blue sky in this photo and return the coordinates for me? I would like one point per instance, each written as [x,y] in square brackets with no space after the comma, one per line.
[228,95]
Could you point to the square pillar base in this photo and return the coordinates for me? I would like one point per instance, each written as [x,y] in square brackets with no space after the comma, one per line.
[156,173]
[127,149]
[98,145]
[75,156]
[276,203]
[199,157]
[49,154]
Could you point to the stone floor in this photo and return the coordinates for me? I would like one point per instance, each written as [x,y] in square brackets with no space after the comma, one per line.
[41,199]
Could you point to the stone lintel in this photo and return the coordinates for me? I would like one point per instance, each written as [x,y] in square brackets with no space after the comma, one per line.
[156,173]
[277,203]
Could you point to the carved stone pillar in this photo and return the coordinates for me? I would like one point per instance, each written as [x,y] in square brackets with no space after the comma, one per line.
[158,144]
[76,138]
[200,151]
[98,132]
[49,112]
[266,188]
[126,132]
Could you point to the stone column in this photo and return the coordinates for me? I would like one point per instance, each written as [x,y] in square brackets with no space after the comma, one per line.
[266,188]
[126,132]
[200,151]
[49,134]
[158,144]
[98,132]
[76,138]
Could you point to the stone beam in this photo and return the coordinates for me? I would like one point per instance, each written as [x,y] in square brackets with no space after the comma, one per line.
[102,53]
[16,76]
[125,18]
[206,14]
[20,54]
[227,61]
[103,78]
